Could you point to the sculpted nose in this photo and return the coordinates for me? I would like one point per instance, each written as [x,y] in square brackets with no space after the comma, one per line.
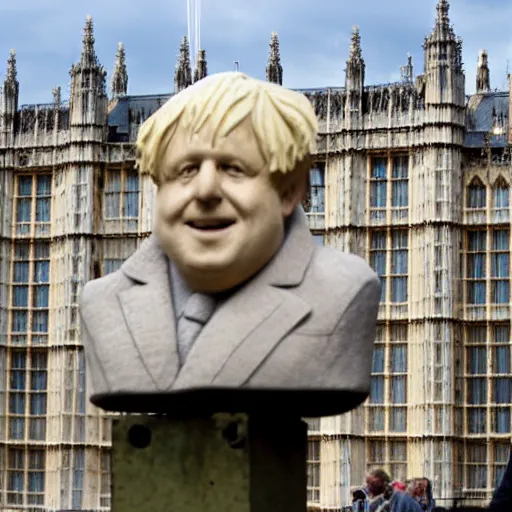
[207,182]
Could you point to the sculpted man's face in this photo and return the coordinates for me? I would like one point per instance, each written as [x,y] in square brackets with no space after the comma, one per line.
[218,215]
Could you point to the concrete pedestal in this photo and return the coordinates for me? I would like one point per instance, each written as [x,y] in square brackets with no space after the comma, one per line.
[224,463]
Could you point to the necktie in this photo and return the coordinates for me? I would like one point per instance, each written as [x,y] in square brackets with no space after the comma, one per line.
[198,310]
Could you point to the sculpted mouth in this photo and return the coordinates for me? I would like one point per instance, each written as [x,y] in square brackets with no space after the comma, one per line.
[210,224]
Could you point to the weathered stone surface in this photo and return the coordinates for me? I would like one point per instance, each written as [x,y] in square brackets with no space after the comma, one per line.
[229,463]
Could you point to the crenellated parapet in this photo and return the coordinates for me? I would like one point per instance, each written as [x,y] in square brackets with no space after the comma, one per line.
[382,106]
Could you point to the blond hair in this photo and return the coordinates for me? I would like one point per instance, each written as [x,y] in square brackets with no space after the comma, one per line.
[284,122]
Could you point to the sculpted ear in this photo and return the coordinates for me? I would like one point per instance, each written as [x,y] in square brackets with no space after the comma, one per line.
[293,193]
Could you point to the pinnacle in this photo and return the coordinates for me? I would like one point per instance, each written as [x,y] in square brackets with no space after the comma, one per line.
[274,47]
[184,47]
[184,54]
[443,31]
[442,7]
[200,70]
[88,30]
[274,71]
[11,67]
[120,55]
[442,13]
[201,57]
[482,57]
[88,55]
[120,75]
[183,72]
[355,44]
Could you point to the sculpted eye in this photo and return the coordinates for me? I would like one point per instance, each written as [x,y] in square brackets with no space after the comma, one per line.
[188,170]
[231,168]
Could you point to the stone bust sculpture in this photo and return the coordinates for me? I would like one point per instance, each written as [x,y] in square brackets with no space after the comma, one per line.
[229,305]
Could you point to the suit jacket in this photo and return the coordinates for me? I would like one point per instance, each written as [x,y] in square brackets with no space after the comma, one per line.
[303,328]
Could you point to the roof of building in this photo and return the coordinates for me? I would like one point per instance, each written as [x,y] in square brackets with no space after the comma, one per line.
[486,115]
[128,109]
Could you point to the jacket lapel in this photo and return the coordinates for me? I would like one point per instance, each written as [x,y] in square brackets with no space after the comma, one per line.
[148,312]
[249,325]
[241,334]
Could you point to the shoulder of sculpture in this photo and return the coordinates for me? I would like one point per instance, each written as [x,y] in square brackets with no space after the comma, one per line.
[336,280]
[100,288]
[336,268]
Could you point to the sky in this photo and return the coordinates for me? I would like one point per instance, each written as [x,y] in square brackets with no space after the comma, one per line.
[314,37]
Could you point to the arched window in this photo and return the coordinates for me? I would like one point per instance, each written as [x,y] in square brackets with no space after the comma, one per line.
[476,194]
[500,200]
[500,194]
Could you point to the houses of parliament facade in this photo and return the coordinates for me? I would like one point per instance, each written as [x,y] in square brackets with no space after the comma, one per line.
[414,176]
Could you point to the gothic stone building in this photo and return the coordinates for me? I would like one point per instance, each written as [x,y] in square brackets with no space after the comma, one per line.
[414,176]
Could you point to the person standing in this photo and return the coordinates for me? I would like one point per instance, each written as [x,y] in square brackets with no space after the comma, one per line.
[382,496]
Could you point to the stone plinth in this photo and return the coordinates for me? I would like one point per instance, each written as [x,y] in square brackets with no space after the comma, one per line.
[227,462]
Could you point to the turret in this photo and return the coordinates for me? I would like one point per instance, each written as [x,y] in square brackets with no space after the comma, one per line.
[120,75]
[183,73]
[483,83]
[88,101]
[274,69]
[444,76]
[200,70]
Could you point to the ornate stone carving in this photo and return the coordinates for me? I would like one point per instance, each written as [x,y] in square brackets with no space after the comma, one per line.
[337,102]
[23,157]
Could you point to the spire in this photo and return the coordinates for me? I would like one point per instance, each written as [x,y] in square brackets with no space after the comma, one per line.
[444,73]
[120,75]
[355,53]
[442,12]
[95,75]
[11,76]
[88,95]
[354,79]
[443,30]
[183,73]
[11,84]
[274,68]
[88,54]
[441,38]
[200,70]
[482,73]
